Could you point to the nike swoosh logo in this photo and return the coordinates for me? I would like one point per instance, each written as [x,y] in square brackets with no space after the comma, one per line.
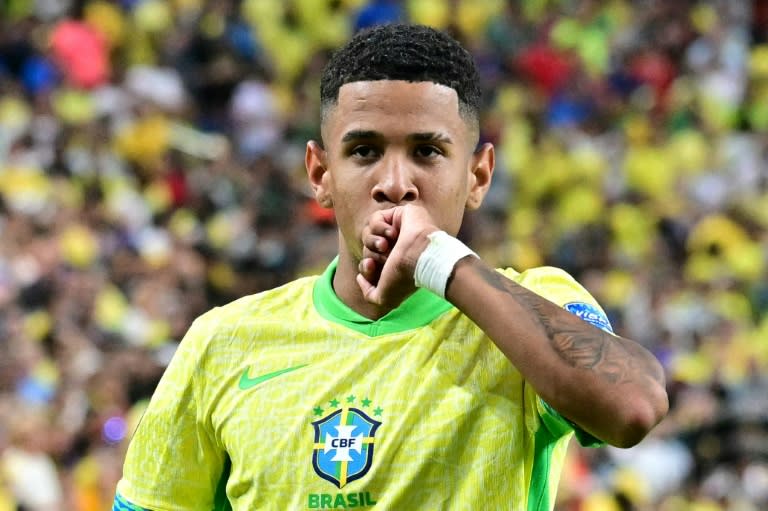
[247,382]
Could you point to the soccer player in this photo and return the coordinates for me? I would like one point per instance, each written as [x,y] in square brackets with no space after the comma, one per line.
[410,375]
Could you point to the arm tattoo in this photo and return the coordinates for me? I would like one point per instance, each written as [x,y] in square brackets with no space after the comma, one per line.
[578,343]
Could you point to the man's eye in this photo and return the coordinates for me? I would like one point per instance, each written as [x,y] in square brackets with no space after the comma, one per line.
[364,151]
[427,151]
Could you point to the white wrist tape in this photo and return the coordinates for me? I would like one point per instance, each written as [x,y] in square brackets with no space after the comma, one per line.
[435,264]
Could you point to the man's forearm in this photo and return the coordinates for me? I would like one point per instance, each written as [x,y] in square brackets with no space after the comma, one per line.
[610,386]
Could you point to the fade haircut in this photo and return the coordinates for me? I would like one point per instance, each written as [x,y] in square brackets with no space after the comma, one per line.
[403,51]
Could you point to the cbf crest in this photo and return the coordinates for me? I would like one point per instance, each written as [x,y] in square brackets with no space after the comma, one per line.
[344,441]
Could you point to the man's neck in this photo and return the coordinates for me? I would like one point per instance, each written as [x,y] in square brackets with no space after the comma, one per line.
[348,291]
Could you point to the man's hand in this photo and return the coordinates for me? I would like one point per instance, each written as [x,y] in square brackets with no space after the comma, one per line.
[393,240]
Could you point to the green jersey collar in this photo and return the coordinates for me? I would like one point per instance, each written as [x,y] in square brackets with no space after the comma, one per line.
[417,310]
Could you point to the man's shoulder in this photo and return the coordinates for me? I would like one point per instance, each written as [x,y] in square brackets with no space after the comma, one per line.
[286,298]
[288,303]
[551,282]
[538,275]
[558,286]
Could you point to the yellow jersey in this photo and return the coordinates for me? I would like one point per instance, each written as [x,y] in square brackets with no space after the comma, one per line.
[288,399]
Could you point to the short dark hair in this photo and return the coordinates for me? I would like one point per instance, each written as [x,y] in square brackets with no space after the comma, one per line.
[402,51]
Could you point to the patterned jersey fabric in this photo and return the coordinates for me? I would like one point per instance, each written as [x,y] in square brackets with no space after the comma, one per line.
[288,399]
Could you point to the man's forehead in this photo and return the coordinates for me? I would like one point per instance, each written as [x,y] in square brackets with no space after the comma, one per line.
[393,98]
[421,106]
[399,89]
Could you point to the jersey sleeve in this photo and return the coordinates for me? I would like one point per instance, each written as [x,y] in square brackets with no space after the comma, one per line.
[173,461]
[558,286]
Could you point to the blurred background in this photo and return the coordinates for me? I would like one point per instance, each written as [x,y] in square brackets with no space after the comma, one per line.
[151,167]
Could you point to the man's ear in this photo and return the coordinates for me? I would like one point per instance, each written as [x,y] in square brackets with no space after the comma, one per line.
[483,162]
[315,160]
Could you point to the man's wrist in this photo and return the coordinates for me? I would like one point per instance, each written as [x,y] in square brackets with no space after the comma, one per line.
[435,264]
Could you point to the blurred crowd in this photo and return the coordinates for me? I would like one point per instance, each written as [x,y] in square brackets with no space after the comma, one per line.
[151,167]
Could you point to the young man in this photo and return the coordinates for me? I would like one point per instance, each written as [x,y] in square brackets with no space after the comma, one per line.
[410,375]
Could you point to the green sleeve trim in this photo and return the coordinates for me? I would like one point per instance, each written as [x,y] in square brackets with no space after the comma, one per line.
[122,504]
[538,492]
[553,429]
[419,309]
[220,500]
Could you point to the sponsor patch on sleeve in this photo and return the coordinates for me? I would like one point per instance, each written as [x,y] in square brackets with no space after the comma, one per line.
[590,314]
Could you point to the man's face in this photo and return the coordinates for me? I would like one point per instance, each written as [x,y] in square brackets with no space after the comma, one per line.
[393,142]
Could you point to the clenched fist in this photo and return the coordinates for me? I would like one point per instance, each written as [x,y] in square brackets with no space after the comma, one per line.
[393,240]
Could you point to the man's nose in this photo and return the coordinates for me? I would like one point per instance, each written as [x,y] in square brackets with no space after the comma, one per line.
[395,183]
